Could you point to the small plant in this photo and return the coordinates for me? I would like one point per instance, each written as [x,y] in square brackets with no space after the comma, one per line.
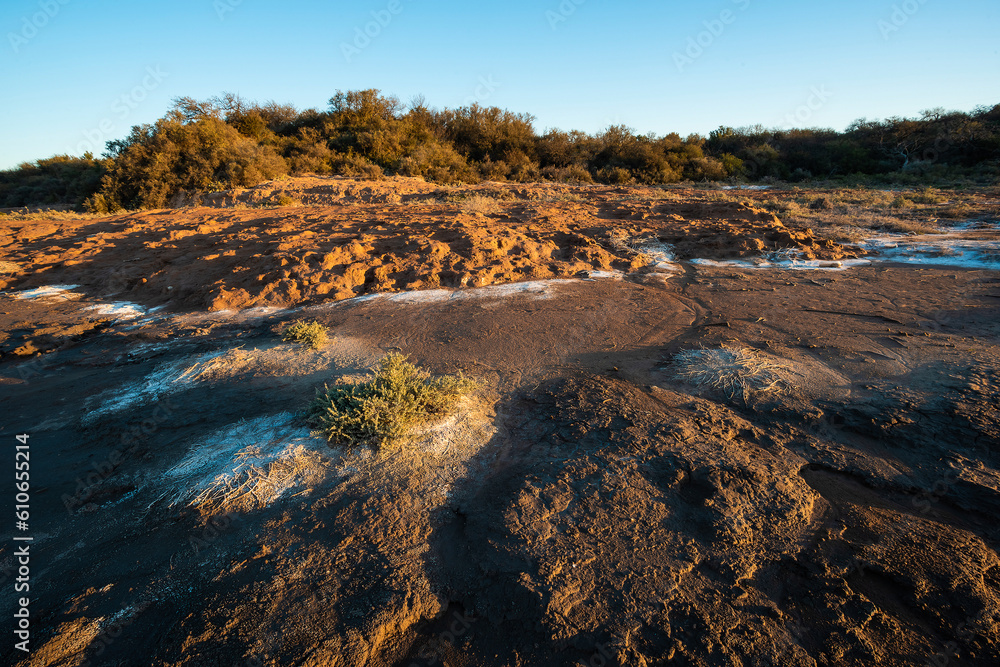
[312,334]
[736,371]
[902,202]
[478,205]
[959,211]
[286,200]
[928,195]
[384,409]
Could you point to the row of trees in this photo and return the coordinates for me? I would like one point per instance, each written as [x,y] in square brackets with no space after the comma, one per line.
[229,142]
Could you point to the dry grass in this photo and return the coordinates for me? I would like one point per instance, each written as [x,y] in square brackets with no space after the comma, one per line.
[52,214]
[735,371]
[247,466]
[478,205]
[255,482]
[621,241]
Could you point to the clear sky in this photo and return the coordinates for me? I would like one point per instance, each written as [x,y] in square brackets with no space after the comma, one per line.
[76,73]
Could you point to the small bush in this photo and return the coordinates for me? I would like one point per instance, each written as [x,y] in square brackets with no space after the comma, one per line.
[383,410]
[735,371]
[312,334]
[959,211]
[478,205]
[928,195]
[571,174]
[902,202]
[286,200]
[358,167]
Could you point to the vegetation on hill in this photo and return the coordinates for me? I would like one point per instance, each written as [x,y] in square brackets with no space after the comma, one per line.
[226,142]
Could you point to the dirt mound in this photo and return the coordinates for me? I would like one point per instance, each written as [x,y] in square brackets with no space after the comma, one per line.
[358,237]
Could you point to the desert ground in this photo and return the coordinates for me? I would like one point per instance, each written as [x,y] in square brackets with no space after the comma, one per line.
[596,501]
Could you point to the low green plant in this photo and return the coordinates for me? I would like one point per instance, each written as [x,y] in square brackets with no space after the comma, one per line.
[312,334]
[384,409]
[286,200]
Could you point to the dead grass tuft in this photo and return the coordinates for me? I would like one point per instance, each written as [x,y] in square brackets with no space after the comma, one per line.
[478,205]
[735,371]
[255,482]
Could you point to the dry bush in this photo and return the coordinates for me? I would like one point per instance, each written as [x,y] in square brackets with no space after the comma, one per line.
[284,200]
[735,371]
[256,481]
[958,211]
[928,195]
[48,214]
[478,205]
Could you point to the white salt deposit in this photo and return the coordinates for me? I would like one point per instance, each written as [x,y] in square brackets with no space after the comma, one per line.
[937,250]
[163,380]
[790,263]
[265,457]
[48,292]
[661,255]
[120,310]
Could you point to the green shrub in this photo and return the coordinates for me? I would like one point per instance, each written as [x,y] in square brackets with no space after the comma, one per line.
[312,334]
[437,162]
[286,200]
[901,202]
[358,167]
[571,174]
[60,180]
[615,176]
[101,204]
[155,163]
[383,410]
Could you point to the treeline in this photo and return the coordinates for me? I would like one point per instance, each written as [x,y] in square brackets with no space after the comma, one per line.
[226,142]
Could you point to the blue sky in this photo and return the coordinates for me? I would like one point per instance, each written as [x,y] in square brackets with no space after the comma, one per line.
[79,73]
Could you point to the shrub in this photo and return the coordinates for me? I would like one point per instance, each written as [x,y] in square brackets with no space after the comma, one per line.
[384,409]
[478,205]
[571,174]
[438,162]
[286,200]
[101,204]
[155,163]
[358,167]
[615,176]
[312,334]
[61,179]
[736,371]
